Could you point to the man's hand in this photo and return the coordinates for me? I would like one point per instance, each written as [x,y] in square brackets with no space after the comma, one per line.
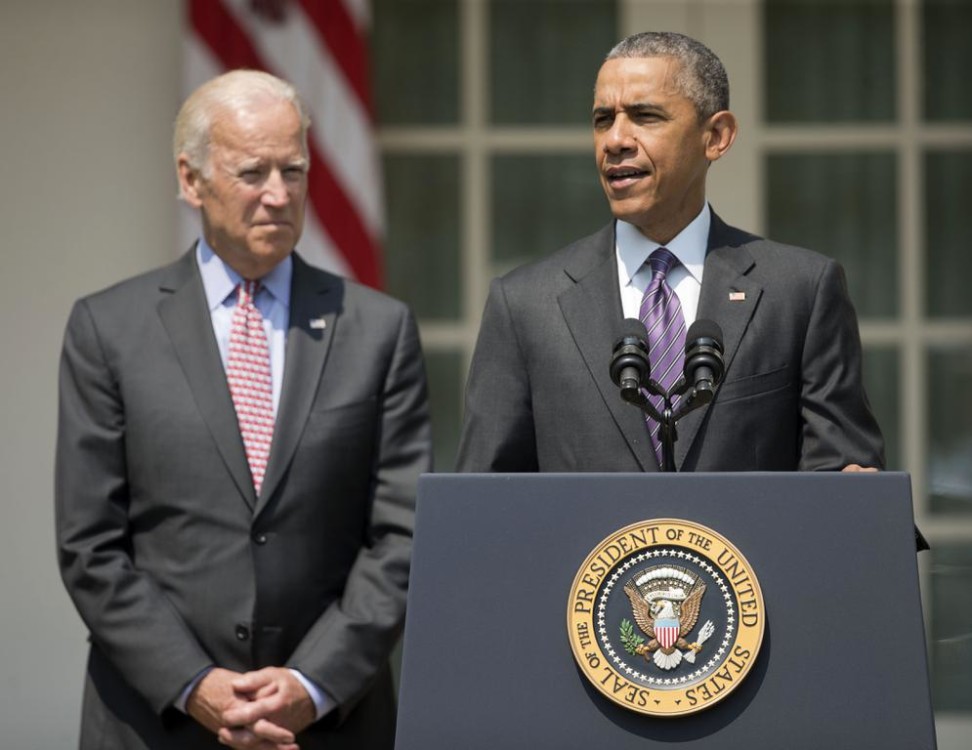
[216,696]
[858,468]
[212,696]
[276,700]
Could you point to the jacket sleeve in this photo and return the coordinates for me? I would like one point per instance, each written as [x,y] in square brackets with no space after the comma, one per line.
[498,432]
[838,426]
[129,618]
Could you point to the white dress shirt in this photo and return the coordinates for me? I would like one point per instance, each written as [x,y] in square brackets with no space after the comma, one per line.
[633,248]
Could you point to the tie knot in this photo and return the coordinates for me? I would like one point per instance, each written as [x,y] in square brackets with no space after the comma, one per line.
[248,291]
[662,261]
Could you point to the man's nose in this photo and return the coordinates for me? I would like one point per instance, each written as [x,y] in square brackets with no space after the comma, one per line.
[275,191]
[620,137]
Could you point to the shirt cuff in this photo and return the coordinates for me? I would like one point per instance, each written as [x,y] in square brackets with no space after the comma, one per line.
[183,698]
[323,703]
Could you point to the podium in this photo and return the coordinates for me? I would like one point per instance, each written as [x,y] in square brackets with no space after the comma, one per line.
[488,663]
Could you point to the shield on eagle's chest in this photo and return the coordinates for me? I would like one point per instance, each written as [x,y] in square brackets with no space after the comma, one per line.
[666,631]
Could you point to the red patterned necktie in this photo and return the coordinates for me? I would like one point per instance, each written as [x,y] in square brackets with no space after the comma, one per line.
[248,375]
[661,312]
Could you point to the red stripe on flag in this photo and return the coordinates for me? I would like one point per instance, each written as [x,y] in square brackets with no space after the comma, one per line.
[338,216]
[223,35]
[343,223]
[341,36]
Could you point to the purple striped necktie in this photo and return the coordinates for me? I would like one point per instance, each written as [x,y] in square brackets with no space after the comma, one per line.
[661,312]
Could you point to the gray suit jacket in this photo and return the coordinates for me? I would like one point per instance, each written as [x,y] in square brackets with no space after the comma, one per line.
[540,398]
[172,560]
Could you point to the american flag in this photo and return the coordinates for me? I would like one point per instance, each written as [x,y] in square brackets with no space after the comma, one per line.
[320,46]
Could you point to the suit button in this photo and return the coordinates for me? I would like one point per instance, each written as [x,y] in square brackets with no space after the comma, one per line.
[260,538]
[242,633]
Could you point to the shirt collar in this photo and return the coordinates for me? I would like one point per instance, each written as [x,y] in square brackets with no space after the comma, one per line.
[689,246]
[220,281]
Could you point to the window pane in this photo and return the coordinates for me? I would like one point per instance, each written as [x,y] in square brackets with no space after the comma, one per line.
[829,60]
[544,57]
[415,52]
[842,205]
[422,244]
[951,627]
[947,31]
[882,375]
[541,203]
[445,394]
[950,430]
[948,185]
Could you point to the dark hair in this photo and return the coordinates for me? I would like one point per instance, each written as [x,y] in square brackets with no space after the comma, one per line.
[701,76]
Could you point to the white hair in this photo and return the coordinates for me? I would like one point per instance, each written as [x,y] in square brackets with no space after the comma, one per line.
[231,92]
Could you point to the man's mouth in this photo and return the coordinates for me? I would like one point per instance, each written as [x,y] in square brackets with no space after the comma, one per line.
[624,176]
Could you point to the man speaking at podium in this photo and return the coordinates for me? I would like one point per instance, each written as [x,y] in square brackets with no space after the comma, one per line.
[539,395]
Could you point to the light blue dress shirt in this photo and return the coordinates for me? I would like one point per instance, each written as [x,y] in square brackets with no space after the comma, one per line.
[273,302]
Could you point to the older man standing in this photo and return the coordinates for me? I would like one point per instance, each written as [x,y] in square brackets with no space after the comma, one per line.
[240,435]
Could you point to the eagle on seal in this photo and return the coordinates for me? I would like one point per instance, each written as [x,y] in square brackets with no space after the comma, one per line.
[665,610]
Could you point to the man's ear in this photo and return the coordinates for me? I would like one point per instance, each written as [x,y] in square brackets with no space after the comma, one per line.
[190,182]
[720,132]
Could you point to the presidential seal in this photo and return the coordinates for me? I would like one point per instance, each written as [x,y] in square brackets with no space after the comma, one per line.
[665,617]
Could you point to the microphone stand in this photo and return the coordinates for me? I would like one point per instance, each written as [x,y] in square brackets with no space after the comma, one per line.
[668,418]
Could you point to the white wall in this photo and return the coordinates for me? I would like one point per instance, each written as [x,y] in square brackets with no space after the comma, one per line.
[88,92]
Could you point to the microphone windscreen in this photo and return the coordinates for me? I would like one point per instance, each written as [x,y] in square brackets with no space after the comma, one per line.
[632,327]
[704,329]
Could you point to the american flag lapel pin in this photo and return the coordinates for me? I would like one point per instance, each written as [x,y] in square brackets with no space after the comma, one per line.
[737,296]
[318,324]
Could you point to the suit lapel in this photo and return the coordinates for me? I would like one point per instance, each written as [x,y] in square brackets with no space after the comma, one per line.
[729,297]
[315,301]
[186,319]
[592,310]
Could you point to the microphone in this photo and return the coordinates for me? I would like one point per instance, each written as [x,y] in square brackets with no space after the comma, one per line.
[629,363]
[704,366]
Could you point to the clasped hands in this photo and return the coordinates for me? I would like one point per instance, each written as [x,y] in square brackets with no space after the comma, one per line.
[261,710]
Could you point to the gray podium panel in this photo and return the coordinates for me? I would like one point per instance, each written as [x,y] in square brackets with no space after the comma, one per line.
[487,661]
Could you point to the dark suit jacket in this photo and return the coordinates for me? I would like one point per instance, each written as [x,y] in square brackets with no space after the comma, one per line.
[175,564]
[540,398]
